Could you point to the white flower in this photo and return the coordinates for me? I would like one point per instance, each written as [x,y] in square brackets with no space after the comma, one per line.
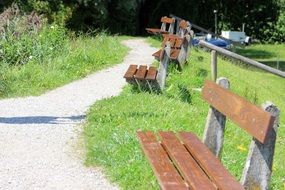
[52,27]
[30,57]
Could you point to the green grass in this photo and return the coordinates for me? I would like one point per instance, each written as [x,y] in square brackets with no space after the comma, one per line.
[112,123]
[268,54]
[82,56]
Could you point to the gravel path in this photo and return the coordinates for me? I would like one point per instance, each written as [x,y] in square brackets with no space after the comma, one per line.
[40,137]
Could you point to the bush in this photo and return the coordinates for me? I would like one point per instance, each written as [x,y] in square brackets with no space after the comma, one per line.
[28,37]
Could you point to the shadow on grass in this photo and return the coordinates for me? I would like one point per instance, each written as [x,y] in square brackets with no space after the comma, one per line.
[255,54]
[273,64]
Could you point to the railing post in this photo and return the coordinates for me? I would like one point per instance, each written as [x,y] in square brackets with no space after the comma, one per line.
[241,58]
[214,65]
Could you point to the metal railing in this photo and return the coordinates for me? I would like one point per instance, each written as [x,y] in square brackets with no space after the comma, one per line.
[214,49]
[204,30]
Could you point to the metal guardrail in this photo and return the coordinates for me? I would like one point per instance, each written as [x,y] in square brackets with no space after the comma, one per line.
[240,58]
[206,31]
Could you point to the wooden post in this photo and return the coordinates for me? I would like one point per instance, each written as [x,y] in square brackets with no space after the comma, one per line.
[163,65]
[215,125]
[184,51]
[242,58]
[171,28]
[214,65]
[258,167]
[163,26]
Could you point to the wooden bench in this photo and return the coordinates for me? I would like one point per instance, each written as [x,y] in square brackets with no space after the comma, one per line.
[179,49]
[184,29]
[167,26]
[142,76]
[150,77]
[182,161]
[175,44]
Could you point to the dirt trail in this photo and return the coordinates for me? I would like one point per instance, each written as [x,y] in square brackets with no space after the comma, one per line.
[39,135]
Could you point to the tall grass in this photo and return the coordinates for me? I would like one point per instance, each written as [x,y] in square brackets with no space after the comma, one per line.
[112,123]
[36,56]
[80,57]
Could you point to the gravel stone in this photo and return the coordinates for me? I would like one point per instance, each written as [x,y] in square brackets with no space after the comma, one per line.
[41,145]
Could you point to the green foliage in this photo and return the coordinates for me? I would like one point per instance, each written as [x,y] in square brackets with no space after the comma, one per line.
[27,38]
[34,46]
[279,33]
[57,12]
[112,123]
[264,19]
[269,54]
[88,14]
[80,56]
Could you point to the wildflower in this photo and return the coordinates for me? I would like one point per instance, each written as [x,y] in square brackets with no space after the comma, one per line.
[241,148]
[52,27]
[30,57]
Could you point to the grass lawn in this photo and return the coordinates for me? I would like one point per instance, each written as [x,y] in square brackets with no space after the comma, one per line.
[266,53]
[82,56]
[112,123]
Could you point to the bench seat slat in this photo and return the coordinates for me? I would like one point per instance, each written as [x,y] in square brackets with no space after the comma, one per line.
[172,42]
[210,164]
[157,54]
[185,163]
[168,177]
[131,72]
[140,74]
[151,73]
[156,31]
[178,43]
[174,53]
[251,118]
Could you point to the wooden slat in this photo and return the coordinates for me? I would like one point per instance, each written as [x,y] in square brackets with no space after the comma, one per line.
[164,170]
[172,42]
[156,31]
[210,164]
[188,167]
[141,72]
[183,24]
[131,72]
[167,20]
[175,41]
[174,53]
[151,73]
[171,36]
[157,54]
[251,118]
[165,39]
[178,43]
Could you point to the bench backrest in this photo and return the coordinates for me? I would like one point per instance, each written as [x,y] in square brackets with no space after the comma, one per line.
[248,116]
[261,123]
[175,41]
[167,21]
[183,24]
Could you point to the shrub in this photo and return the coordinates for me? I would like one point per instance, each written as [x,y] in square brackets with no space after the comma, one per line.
[28,37]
